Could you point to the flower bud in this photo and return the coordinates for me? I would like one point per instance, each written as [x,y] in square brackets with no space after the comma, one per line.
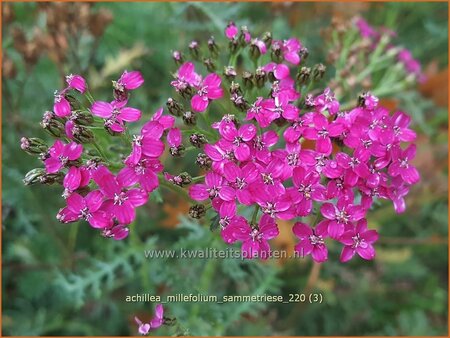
[239,101]
[229,72]
[119,91]
[267,38]
[209,63]
[194,49]
[254,51]
[260,77]
[182,179]
[303,53]
[39,175]
[197,211]
[83,118]
[244,37]
[212,46]
[174,107]
[203,161]
[178,57]
[33,145]
[303,75]
[74,103]
[198,140]
[277,53]
[177,151]
[318,71]
[309,101]
[247,79]
[82,134]
[235,88]
[52,124]
[189,118]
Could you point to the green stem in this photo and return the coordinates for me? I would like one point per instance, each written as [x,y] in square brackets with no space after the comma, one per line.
[89,97]
[100,151]
[255,214]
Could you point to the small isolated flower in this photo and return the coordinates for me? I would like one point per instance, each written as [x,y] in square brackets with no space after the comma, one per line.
[208,90]
[76,82]
[311,241]
[60,154]
[61,106]
[290,49]
[358,240]
[254,237]
[186,77]
[116,232]
[115,114]
[156,322]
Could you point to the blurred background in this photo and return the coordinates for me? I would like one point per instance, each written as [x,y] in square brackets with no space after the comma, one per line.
[67,280]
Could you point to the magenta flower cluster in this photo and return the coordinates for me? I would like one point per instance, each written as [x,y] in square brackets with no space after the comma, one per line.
[277,150]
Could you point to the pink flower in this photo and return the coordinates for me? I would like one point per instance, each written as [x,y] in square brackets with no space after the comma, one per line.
[76,177]
[174,137]
[326,101]
[240,179]
[215,186]
[290,49]
[87,208]
[76,82]
[236,139]
[231,31]
[254,238]
[208,90]
[280,71]
[116,232]
[311,241]
[120,202]
[340,215]
[186,77]
[61,107]
[115,114]
[60,154]
[307,189]
[263,112]
[156,322]
[401,166]
[281,107]
[321,133]
[358,240]
[130,80]
[144,171]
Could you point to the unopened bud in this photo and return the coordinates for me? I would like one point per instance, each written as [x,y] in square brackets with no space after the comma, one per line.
[33,145]
[303,75]
[177,151]
[229,72]
[178,57]
[209,63]
[235,88]
[82,134]
[244,37]
[233,46]
[119,91]
[212,46]
[197,211]
[189,118]
[276,54]
[194,48]
[39,175]
[267,38]
[260,77]
[198,140]
[174,107]
[318,71]
[247,79]
[82,118]
[74,103]
[303,53]
[203,161]
[239,101]
[52,124]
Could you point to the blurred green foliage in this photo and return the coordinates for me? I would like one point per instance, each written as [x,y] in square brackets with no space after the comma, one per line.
[66,280]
